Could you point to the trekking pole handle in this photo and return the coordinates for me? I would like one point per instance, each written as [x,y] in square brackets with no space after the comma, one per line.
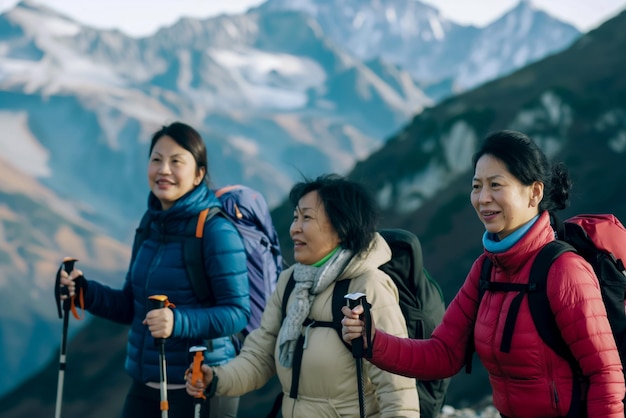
[59,291]
[196,368]
[158,302]
[354,300]
[68,266]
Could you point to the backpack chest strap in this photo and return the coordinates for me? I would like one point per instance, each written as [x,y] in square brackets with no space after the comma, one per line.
[301,344]
[340,289]
[511,317]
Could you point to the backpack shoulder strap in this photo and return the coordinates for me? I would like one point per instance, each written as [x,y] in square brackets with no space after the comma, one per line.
[483,284]
[291,283]
[141,234]
[485,278]
[193,253]
[559,226]
[340,289]
[543,317]
[538,302]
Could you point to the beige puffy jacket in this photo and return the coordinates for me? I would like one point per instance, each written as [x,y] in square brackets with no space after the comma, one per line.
[328,383]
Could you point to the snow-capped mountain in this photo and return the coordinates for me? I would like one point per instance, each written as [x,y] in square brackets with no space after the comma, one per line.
[435,51]
[521,36]
[408,33]
[262,100]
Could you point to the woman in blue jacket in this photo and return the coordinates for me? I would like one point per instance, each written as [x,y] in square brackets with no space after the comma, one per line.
[178,179]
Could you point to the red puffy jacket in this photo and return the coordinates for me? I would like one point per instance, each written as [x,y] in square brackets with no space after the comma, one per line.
[531,380]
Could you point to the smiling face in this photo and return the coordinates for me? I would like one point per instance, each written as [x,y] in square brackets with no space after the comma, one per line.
[502,202]
[172,171]
[311,231]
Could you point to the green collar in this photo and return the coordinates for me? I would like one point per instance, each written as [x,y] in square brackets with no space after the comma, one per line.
[325,259]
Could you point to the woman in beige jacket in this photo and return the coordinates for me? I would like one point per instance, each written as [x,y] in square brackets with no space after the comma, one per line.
[334,235]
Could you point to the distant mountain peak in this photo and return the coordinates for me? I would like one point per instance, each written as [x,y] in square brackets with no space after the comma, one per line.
[36,6]
[529,7]
[29,4]
[37,18]
[354,9]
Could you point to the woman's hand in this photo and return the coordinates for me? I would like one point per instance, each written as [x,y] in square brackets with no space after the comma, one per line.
[68,280]
[160,322]
[353,327]
[198,387]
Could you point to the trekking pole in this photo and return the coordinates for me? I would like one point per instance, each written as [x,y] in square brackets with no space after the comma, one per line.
[158,302]
[355,299]
[68,304]
[196,373]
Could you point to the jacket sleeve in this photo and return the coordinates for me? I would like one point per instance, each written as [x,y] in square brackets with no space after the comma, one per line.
[225,265]
[255,365]
[575,299]
[112,304]
[397,395]
[442,355]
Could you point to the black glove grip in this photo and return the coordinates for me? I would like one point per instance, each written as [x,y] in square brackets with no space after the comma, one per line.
[353,301]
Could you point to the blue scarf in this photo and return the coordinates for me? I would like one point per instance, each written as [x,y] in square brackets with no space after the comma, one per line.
[492,243]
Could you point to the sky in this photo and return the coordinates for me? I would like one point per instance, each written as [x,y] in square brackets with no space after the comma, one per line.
[144,17]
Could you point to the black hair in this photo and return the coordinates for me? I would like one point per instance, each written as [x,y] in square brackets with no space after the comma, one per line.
[352,211]
[188,138]
[528,163]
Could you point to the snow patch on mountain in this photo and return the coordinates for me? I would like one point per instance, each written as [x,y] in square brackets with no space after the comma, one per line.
[614,121]
[20,147]
[551,111]
[414,190]
[60,71]
[267,79]
[35,22]
[459,145]
[438,31]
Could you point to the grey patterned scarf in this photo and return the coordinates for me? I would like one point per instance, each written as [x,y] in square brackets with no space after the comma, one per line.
[310,281]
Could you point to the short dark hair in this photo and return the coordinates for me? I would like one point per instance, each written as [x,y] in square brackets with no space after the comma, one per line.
[352,211]
[528,163]
[188,138]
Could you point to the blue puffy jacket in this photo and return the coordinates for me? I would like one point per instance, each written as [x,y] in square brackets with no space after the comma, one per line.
[158,269]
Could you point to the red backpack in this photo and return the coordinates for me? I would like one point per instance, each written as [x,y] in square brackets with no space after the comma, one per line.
[599,239]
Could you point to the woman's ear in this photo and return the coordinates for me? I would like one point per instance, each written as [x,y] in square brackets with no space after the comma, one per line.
[536,193]
[199,176]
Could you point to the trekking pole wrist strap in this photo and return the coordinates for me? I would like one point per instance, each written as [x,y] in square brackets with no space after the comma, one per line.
[212,388]
[81,287]
[367,318]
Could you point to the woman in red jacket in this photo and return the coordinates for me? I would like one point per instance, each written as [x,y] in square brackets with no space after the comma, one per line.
[513,190]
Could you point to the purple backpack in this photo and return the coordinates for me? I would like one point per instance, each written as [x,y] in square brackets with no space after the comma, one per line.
[247,210]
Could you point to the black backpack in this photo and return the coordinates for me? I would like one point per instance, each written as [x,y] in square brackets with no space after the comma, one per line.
[421,302]
[599,239]
[247,210]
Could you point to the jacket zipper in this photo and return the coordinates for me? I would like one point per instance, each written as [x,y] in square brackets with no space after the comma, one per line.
[548,354]
[154,263]
[555,395]
[151,269]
